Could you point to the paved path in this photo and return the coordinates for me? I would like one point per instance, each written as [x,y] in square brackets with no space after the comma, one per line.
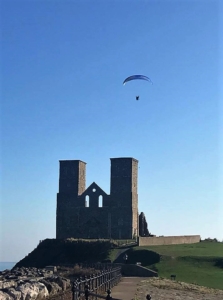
[126,289]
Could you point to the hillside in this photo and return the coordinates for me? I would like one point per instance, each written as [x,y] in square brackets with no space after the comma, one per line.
[68,251]
[200,263]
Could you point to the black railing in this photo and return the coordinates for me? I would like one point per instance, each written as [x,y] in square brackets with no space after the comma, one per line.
[96,285]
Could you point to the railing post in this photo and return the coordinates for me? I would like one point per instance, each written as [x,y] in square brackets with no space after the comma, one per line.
[86,291]
[113,277]
[106,280]
[73,290]
[102,279]
[108,297]
[109,278]
[75,287]
[81,284]
[99,280]
[93,282]
[96,285]
[89,282]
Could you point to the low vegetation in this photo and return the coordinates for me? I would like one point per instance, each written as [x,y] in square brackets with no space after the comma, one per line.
[68,251]
[200,263]
[75,272]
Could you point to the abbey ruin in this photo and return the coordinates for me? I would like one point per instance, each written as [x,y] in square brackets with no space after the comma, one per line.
[91,213]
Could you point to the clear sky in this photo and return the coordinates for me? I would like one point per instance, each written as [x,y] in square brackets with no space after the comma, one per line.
[63,64]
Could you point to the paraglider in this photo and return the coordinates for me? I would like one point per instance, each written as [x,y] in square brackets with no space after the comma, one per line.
[133,77]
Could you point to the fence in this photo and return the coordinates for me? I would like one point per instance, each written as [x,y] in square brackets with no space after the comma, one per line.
[97,284]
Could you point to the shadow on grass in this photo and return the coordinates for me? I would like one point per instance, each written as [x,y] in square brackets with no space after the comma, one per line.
[145,257]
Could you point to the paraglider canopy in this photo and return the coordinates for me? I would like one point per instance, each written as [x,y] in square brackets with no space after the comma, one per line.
[133,77]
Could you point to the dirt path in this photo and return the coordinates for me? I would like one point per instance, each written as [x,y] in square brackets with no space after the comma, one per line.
[164,289]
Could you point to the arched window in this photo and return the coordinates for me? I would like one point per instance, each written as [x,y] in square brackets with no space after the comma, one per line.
[100,201]
[87,201]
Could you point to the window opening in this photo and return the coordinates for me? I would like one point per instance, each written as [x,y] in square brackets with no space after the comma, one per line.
[87,201]
[100,201]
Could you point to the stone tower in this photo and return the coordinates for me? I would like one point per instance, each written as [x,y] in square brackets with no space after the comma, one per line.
[72,178]
[91,213]
[124,197]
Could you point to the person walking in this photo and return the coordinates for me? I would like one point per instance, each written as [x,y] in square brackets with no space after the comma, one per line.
[126,258]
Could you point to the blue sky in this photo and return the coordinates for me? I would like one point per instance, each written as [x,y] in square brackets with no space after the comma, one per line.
[63,64]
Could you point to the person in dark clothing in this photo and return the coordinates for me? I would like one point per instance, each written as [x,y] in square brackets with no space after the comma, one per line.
[126,258]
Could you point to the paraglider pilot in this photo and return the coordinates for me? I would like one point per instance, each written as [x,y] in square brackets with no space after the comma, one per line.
[137,97]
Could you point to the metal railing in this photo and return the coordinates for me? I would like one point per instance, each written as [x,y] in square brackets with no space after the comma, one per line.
[96,285]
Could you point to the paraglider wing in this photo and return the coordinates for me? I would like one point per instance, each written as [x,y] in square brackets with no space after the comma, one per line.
[133,77]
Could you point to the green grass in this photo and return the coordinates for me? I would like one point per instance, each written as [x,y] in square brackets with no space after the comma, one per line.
[198,249]
[200,263]
[192,270]
[113,254]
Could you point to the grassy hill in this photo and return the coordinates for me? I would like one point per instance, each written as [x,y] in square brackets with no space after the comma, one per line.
[68,251]
[200,263]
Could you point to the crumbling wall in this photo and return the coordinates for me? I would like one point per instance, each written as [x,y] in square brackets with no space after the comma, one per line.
[143,226]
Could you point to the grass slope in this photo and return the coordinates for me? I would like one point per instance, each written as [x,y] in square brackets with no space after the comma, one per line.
[68,251]
[200,263]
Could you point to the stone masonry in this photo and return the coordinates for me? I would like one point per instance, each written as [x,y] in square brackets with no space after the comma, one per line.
[92,213]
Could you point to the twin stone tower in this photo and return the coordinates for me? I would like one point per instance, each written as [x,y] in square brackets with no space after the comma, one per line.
[91,213]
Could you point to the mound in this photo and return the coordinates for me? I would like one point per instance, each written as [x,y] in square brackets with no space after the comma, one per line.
[68,251]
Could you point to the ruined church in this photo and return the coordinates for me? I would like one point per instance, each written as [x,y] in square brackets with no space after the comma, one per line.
[90,212]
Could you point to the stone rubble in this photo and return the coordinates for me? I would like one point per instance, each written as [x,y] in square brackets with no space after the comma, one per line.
[30,284]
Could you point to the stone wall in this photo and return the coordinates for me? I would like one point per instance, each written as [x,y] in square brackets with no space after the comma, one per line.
[168,240]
